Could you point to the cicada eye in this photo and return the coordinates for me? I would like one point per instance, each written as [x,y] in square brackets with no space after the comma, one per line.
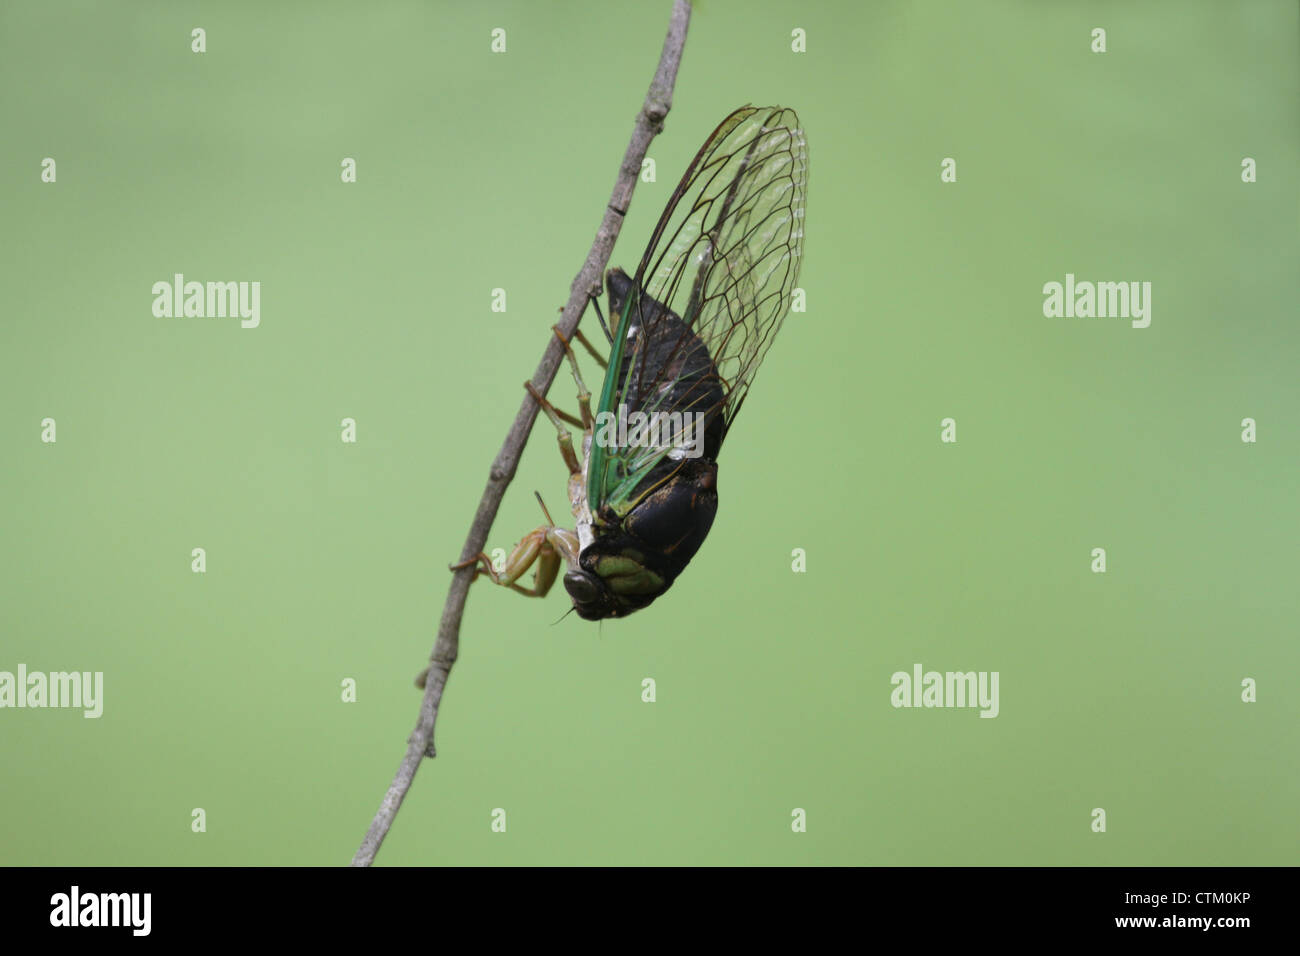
[581,587]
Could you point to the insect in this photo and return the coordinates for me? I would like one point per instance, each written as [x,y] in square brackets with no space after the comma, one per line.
[692,327]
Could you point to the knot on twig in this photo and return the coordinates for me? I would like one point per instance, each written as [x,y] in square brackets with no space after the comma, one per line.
[656,110]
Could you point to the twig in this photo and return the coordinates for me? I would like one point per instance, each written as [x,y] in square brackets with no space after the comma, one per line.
[587,284]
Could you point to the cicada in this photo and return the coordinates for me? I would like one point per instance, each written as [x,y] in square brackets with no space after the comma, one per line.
[691,328]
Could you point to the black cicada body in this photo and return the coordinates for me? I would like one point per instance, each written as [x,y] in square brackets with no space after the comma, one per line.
[694,324]
[692,327]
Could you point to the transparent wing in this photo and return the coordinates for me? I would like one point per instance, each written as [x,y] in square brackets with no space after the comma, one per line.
[710,292]
[726,253]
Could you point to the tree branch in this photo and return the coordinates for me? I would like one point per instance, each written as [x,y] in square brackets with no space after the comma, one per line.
[587,284]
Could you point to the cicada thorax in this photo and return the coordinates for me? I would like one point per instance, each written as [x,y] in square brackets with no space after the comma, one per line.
[646,531]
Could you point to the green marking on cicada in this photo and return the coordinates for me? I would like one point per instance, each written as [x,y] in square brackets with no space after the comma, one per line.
[627,576]
[599,454]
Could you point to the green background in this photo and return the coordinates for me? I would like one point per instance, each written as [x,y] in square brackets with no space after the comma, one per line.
[477,171]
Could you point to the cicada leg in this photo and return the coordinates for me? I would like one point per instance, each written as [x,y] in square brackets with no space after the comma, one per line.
[604,327]
[591,349]
[544,548]
[584,396]
[562,437]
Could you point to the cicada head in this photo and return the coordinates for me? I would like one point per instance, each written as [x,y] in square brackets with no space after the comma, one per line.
[633,561]
[596,598]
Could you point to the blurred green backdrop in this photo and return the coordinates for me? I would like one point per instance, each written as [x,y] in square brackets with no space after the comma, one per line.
[478,171]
